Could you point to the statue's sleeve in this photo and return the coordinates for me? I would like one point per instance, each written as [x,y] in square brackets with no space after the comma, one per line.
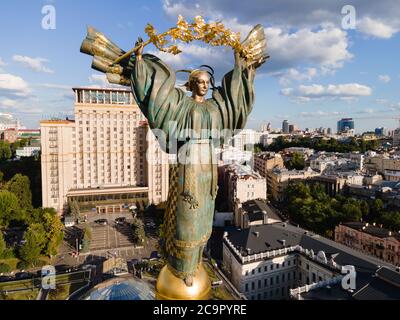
[235,96]
[153,87]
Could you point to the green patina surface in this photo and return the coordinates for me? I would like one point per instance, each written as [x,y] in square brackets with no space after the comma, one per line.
[177,115]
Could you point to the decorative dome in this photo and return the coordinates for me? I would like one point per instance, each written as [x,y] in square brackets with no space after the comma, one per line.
[120,289]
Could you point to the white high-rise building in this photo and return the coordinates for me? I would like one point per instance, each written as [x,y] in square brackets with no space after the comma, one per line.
[100,159]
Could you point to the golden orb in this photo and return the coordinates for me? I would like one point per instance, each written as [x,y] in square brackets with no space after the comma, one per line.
[170,287]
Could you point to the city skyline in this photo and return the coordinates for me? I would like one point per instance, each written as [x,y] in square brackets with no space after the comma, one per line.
[318,72]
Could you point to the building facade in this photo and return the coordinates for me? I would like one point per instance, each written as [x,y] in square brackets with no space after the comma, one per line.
[388,166]
[279,179]
[104,159]
[9,135]
[265,161]
[345,125]
[370,239]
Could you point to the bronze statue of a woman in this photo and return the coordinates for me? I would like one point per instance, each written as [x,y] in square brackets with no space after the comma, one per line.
[192,121]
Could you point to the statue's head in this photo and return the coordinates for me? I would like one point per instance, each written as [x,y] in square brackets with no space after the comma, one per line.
[199,82]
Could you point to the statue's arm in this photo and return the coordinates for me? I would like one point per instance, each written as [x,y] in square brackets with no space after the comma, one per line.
[235,96]
[153,87]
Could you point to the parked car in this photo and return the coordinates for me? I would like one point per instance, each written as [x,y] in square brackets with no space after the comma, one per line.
[103,222]
[120,220]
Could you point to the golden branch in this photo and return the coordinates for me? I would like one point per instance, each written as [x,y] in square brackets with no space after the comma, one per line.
[213,33]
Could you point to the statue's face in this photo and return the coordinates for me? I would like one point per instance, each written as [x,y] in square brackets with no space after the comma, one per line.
[200,84]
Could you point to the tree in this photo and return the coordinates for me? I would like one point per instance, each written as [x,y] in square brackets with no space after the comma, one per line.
[296,162]
[2,244]
[376,210]
[87,237]
[138,231]
[9,208]
[5,151]
[54,233]
[74,209]
[35,241]
[20,186]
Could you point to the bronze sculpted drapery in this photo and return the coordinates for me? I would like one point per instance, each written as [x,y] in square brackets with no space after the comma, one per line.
[190,121]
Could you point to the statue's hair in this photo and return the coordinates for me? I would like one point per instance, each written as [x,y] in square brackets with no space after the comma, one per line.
[194,72]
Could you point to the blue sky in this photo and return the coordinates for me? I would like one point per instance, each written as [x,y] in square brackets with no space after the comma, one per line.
[318,72]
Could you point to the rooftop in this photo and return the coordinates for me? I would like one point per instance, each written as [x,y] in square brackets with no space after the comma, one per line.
[375,278]
[373,230]
[256,208]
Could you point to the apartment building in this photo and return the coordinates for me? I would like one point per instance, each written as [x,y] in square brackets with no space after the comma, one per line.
[106,158]
[241,183]
[370,239]
[279,262]
[279,179]
[265,161]
[388,166]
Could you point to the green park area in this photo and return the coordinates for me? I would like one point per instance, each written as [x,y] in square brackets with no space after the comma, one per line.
[28,289]
[29,235]
[313,209]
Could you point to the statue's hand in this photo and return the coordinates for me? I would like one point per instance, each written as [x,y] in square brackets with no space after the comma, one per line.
[258,63]
[140,46]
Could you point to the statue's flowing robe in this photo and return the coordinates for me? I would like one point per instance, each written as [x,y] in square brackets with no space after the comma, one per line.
[173,116]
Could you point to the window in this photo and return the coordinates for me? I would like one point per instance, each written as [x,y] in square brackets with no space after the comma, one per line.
[283,277]
[253,271]
[265,269]
[259,284]
[277,279]
[288,263]
[272,267]
[259,270]
[308,266]
[288,276]
[265,282]
[247,287]
[252,286]
[271,282]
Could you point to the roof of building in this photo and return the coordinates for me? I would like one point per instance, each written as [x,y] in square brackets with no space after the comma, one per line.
[256,208]
[269,237]
[376,231]
[102,89]
[242,171]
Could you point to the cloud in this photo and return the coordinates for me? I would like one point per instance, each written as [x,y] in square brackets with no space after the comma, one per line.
[376,28]
[36,64]
[13,86]
[101,80]
[55,86]
[19,106]
[316,91]
[384,78]
[377,18]
[292,74]
[2,64]
[319,113]
[317,45]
